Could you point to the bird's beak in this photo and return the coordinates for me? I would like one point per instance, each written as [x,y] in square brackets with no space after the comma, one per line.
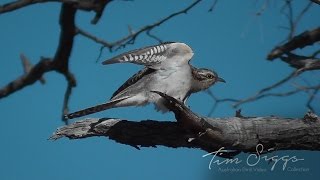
[221,80]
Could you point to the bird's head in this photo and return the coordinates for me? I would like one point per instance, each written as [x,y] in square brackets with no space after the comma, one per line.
[204,78]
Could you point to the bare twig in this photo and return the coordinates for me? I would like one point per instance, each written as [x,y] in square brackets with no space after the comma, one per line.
[217,101]
[302,13]
[130,39]
[94,38]
[315,54]
[265,92]
[60,62]
[35,73]
[213,5]
[303,63]
[293,22]
[153,36]
[238,102]
[71,84]
[27,67]
[263,8]
[284,52]
[311,98]
[260,94]
[97,6]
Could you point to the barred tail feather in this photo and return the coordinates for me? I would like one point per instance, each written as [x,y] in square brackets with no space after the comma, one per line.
[94,109]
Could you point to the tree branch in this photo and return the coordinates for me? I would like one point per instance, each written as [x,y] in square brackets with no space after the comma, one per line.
[316,1]
[97,6]
[27,67]
[300,41]
[213,5]
[35,73]
[130,39]
[60,62]
[239,134]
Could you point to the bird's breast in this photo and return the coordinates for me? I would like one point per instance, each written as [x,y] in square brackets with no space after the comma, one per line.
[175,82]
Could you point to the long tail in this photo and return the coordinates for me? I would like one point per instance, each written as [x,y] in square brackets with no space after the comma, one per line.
[94,109]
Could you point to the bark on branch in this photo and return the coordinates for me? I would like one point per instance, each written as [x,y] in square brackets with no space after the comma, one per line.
[97,6]
[238,134]
[300,41]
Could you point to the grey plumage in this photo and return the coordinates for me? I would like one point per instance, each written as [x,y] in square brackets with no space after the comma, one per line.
[132,80]
[167,70]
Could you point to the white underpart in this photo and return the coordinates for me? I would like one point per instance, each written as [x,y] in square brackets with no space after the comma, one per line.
[173,73]
[175,82]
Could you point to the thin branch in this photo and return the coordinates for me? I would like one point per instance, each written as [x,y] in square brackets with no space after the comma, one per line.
[130,39]
[279,83]
[238,102]
[315,54]
[59,63]
[290,19]
[260,93]
[35,73]
[97,6]
[263,8]
[154,37]
[293,22]
[265,92]
[71,84]
[217,101]
[11,6]
[288,93]
[311,98]
[302,13]
[302,63]
[94,38]
[27,67]
[213,5]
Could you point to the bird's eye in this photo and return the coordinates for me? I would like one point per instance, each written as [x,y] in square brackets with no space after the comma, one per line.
[209,76]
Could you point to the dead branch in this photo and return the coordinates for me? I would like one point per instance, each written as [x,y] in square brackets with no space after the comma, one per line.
[130,39]
[303,63]
[60,62]
[266,92]
[300,41]
[239,134]
[284,52]
[35,73]
[97,6]
[316,1]
[214,4]
[26,64]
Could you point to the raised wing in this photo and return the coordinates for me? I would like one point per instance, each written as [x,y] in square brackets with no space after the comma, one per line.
[158,56]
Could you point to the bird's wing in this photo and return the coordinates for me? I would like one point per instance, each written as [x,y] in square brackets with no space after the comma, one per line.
[159,56]
[132,80]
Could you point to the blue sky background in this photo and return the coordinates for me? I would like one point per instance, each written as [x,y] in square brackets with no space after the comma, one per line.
[231,40]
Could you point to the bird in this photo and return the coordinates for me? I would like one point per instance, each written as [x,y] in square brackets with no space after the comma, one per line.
[167,70]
